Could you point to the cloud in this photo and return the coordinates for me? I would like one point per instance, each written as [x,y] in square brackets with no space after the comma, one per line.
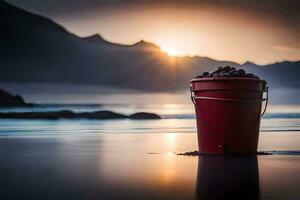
[282,12]
[286,48]
[285,9]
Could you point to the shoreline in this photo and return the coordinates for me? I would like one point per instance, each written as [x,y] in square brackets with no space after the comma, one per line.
[67,114]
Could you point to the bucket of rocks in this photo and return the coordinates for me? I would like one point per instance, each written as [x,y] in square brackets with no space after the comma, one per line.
[228,105]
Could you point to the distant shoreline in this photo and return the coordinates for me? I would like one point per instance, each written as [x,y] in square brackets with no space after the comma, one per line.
[67,114]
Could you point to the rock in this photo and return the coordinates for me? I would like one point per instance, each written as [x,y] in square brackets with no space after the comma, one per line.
[225,74]
[218,70]
[235,74]
[38,115]
[190,153]
[232,71]
[215,74]
[100,115]
[65,114]
[205,74]
[228,71]
[7,99]
[249,75]
[242,72]
[144,115]
[226,68]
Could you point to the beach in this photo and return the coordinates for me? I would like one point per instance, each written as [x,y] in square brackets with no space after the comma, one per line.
[127,159]
[181,100]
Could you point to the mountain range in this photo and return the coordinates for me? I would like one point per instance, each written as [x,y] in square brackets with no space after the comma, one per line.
[35,49]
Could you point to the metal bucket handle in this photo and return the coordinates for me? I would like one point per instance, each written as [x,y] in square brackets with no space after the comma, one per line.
[266,90]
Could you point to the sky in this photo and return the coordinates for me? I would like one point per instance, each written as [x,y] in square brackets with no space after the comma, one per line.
[263,32]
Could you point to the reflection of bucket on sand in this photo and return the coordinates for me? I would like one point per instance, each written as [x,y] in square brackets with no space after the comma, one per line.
[228,112]
[221,177]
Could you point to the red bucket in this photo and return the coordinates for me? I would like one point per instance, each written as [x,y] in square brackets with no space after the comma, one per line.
[228,112]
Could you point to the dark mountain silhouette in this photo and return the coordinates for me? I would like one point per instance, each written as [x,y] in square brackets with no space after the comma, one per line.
[36,49]
[250,64]
[281,74]
[98,40]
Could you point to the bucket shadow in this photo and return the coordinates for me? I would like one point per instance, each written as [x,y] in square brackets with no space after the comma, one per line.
[225,177]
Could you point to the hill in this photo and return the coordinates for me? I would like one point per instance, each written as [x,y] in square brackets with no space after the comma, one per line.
[35,49]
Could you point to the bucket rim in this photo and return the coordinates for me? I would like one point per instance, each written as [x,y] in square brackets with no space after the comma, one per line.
[227,79]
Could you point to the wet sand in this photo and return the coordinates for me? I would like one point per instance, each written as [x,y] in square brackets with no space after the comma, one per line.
[142,166]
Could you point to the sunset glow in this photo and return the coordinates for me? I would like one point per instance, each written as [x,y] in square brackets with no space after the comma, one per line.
[170,51]
[224,31]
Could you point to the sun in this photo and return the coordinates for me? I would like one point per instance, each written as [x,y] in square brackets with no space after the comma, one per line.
[170,51]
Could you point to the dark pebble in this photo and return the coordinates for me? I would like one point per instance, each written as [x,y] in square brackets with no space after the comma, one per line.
[205,74]
[228,71]
[218,70]
[249,75]
[242,72]
[235,74]
[225,75]
[231,71]
[227,68]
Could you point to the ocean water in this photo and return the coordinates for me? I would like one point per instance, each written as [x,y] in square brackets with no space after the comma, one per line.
[176,118]
[136,159]
[280,126]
